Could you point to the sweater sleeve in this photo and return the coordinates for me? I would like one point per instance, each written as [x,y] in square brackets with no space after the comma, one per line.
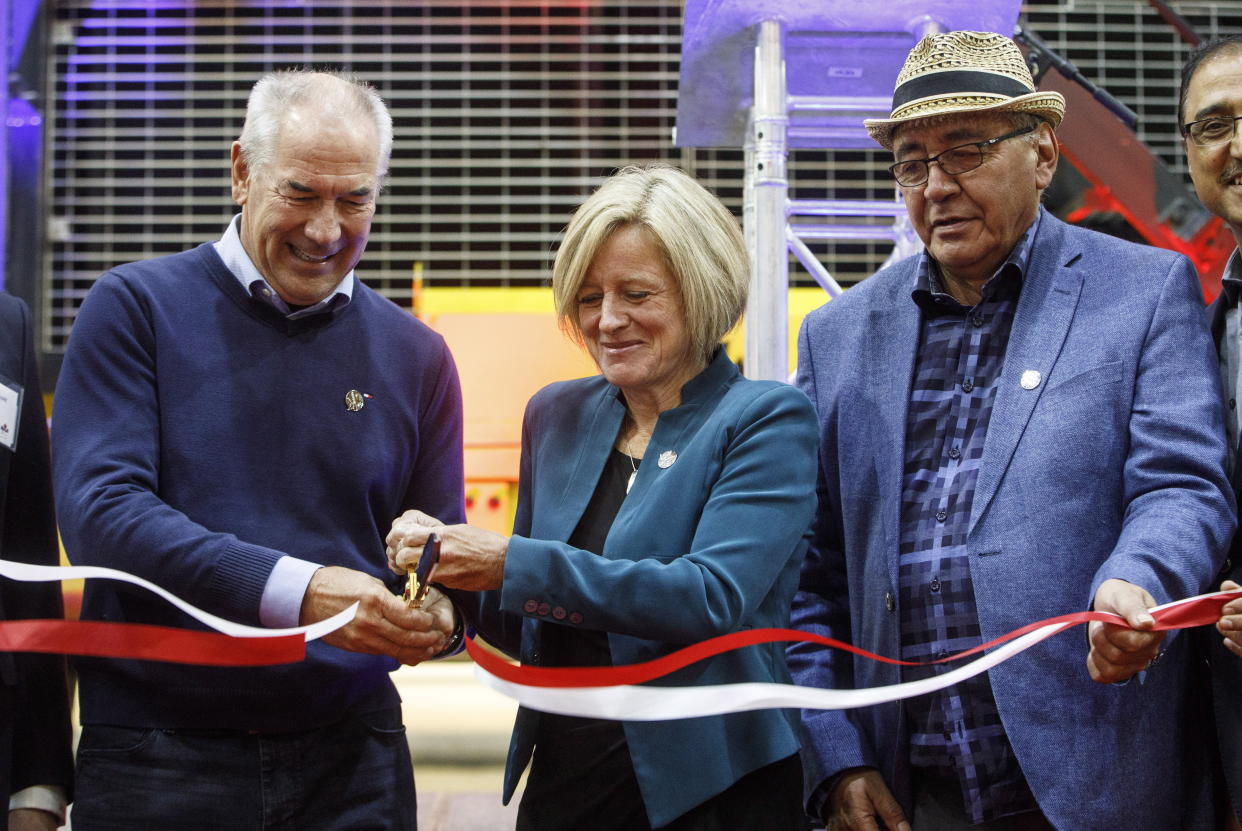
[437,487]
[106,467]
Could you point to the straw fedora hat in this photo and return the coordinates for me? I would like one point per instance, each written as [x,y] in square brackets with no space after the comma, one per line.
[964,72]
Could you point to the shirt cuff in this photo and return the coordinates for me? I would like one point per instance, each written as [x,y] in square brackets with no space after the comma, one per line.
[50,798]
[819,798]
[281,603]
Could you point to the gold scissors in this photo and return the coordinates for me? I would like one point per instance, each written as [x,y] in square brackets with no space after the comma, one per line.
[418,579]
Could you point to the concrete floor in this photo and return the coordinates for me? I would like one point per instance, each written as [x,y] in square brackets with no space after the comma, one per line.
[459,735]
[462,799]
[452,719]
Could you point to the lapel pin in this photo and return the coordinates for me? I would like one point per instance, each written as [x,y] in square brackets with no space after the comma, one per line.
[1030,379]
[666,459]
[354,400]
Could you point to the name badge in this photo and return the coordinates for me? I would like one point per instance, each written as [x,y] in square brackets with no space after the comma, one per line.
[10,412]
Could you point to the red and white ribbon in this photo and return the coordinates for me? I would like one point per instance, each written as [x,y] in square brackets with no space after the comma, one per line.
[614,692]
[231,644]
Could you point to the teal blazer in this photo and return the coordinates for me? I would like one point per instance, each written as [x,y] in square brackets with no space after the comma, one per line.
[708,545]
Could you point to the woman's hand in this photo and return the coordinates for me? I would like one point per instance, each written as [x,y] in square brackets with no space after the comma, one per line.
[406,539]
[470,558]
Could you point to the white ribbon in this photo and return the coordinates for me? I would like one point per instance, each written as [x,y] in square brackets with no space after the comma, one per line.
[28,573]
[643,703]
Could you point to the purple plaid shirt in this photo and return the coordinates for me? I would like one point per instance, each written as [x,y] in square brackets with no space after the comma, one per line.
[955,733]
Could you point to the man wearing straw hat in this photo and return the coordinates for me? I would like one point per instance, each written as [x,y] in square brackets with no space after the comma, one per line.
[1021,421]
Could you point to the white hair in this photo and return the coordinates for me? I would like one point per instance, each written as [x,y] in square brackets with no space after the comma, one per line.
[277,94]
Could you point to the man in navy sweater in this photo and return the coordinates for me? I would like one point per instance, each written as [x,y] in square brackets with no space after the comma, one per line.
[240,423]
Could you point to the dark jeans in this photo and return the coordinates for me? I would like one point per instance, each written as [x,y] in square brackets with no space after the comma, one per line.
[355,774]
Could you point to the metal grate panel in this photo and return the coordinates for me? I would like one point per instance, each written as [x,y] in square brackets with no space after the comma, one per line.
[506,115]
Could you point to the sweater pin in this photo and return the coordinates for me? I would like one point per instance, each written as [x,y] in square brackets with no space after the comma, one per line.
[1030,379]
[354,400]
[666,459]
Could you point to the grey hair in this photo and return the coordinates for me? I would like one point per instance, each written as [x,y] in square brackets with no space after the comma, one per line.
[700,239]
[278,93]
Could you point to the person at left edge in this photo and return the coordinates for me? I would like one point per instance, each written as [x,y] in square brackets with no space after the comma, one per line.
[36,759]
[239,423]
[662,502]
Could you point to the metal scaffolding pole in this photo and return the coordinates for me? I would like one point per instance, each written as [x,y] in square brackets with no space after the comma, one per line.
[767,189]
[771,76]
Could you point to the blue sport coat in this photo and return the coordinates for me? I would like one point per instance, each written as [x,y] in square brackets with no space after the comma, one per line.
[708,545]
[1112,466]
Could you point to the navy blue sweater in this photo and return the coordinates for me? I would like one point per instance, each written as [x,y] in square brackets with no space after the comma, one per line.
[199,436]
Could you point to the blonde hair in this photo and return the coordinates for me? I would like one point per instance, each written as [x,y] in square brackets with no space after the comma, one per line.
[698,237]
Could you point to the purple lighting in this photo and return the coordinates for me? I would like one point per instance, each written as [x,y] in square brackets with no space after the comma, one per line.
[22,114]
[841,49]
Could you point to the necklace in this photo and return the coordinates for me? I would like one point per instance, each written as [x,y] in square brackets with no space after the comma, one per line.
[629,455]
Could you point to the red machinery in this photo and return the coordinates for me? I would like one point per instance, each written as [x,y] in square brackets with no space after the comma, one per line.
[1126,178]
[1122,175]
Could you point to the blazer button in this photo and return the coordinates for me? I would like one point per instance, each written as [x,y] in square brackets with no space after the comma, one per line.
[558,613]
[889,602]
[576,617]
[544,608]
[530,606]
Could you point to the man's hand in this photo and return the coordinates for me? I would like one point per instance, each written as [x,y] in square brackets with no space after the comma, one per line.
[1118,653]
[383,625]
[860,801]
[470,558]
[1230,623]
[438,605]
[32,819]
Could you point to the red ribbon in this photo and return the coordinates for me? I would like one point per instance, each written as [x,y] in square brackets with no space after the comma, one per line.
[1198,611]
[186,646]
[151,643]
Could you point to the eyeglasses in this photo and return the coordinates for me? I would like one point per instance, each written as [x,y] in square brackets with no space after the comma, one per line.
[1211,131]
[913,172]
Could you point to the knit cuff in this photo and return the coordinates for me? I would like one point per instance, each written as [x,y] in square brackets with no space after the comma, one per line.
[239,579]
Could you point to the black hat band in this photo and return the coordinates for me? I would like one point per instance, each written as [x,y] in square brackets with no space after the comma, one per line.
[957,82]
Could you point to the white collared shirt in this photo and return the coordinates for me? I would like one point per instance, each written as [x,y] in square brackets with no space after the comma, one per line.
[231,250]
